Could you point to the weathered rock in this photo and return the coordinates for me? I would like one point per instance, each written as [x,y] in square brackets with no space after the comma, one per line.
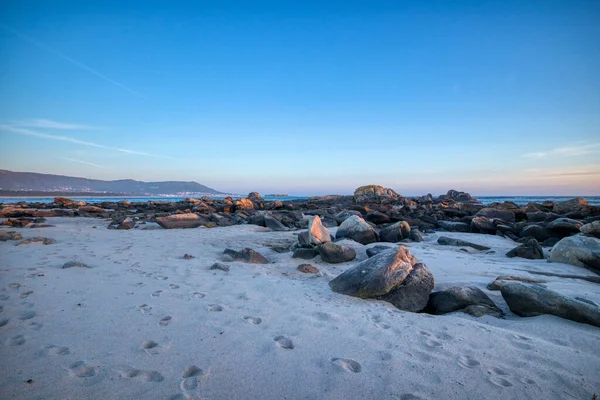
[493,213]
[334,253]
[75,264]
[317,233]
[305,253]
[180,221]
[578,204]
[377,218]
[255,197]
[221,266]
[250,256]
[497,283]
[308,269]
[357,229]
[483,225]
[373,251]
[376,276]
[536,231]
[530,301]
[127,223]
[565,226]
[303,239]
[395,232]
[413,293]
[244,204]
[229,254]
[344,215]
[416,235]
[458,196]
[37,239]
[591,229]
[458,298]
[63,201]
[91,209]
[446,241]
[531,250]
[10,235]
[578,250]
[274,224]
[374,194]
[452,226]
[124,203]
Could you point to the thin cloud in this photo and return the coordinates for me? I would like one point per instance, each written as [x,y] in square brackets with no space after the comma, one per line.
[46,123]
[70,59]
[68,139]
[570,151]
[83,162]
[563,174]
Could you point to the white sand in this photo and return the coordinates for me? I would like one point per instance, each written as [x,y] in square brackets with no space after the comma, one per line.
[130,326]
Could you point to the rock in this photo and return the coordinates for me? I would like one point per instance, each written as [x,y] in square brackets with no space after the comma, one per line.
[578,204]
[303,239]
[10,235]
[493,213]
[455,195]
[229,254]
[124,203]
[530,301]
[37,239]
[376,276]
[63,201]
[413,294]
[305,253]
[317,233]
[180,221]
[127,223]
[221,266]
[483,225]
[460,297]
[250,256]
[373,251]
[375,194]
[187,256]
[531,250]
[591,229]
[395,232]
[274,224]
[91,209]
[344,215]
[565,226]
[377,218]
[334,253]
[416,235]
[244,204]
[255,197]
[499,281]
[357,229]
[75,264]
[536,231]
[452,226]
[308,269]
[578,250]
[446,241]
[41,226]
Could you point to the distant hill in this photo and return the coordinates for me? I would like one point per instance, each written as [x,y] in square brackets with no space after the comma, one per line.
[30,181]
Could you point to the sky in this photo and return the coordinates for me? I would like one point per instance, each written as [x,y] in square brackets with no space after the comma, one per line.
[306,98]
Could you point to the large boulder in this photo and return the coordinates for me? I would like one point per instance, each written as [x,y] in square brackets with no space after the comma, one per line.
[578,204]
[255,197]
[377,218]
[565,226]
[530,249]
[452,226]
[591,229]
[493,213]
[455,195]
[578,250]
[395,232]
[274,224]
[244,204]
[413,293]
[536,231]
[483,225]
[446,241]
[334,253]
[357,229]
[375,194]
[459,298]
[529,301]
[180,221]
[317,233]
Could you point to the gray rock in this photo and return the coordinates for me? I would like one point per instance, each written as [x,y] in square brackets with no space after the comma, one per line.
[375,194]
[460,297]
[344,215]
[221,266]
[357,229]
[37,239]
[578,204]
[180,221]
[376,276]
[305,253]
[303,239]
[446,241]
[497,283]
[334,253]
[565,226]
[578,250]
[413,294]
[377,218]
[395,232]
[75,264]
[373,251]
[591,229]
[452,226]
[536,231]
[493,213]
[317,233]
[483,225]
[416,235]
[530,250]
[274,224]
[127,223]
[250,256]
[529,301]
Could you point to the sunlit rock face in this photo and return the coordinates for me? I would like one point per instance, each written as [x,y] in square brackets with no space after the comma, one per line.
[375,194]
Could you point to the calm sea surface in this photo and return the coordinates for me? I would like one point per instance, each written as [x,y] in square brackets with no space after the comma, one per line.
[520,200]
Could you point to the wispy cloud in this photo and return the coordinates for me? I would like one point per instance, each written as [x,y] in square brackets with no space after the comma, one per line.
[49,124]
[69,59]
[28,132]
[569,151]
[83,162]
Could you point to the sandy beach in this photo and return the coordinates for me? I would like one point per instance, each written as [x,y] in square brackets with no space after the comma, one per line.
[144,323]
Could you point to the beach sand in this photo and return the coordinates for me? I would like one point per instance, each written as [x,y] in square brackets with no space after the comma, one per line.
[144,323]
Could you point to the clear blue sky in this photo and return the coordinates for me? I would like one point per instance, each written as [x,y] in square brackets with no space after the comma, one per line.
[492,97]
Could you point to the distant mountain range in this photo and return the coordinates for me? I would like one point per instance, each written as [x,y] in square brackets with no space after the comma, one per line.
[30,181]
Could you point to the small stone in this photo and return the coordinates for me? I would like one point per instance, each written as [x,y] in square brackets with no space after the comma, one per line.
[221,266]
[75,264]
[187,256]
[308,269]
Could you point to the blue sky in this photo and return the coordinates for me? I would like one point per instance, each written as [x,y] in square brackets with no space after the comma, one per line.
[491,97]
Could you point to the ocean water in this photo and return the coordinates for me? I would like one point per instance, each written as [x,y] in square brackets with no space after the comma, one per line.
[520,200]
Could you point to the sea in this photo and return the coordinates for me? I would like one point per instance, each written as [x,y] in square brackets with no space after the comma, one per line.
[519,200]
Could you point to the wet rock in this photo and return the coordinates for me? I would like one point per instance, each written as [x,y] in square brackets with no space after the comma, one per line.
[250,256]
[460,297]
[536,231]
[187,256]
[357,229]
[416,235]
[334,253]
[446,241]
[395,232]
[530,250]
[308,269]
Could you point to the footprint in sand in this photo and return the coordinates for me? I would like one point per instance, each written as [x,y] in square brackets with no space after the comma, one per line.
[498,381]
[81,369]
[433,343]
[140,374]
[174,286]
[24,295]
[162,278]
[253,320]
[424,333]
[14,285]
[144,308]
[468,362]
[191,376]
[199,295]
[1,309]
[215,307]
[18,340]
[57,350]
[347,363]
[283,342]
[157,293]
[521,342]
[4,297]
[164,321]
[25,315]
[140,284]
[3,322]
[151,347]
